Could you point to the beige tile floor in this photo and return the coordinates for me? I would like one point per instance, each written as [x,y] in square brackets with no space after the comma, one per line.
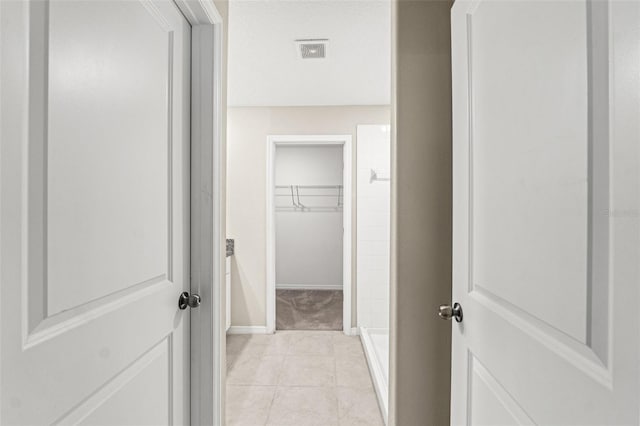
[299,378]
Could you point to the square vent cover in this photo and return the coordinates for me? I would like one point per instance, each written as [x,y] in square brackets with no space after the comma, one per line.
[312,48]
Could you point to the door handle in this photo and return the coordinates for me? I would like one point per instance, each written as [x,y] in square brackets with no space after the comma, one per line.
[189,300]
[446,312]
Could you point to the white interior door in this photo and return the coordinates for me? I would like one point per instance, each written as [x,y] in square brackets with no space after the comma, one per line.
[94,213]
[546,212]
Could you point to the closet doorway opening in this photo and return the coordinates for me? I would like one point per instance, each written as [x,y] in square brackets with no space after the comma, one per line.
[309,231]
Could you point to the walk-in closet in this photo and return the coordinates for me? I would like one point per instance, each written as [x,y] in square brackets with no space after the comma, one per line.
[309,202]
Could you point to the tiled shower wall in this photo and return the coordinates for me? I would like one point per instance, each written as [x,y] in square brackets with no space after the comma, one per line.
[373,225]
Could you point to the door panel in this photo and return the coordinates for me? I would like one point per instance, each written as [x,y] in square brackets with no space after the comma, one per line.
[491,404]
[543,265]
[529,157]
[95,208]
[111,404]
[111,227]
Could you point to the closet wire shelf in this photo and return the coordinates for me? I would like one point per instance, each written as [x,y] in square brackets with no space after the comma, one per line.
[307,198]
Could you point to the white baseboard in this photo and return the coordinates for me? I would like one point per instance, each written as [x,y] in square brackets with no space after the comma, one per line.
[309,286]
[247,329]
[259,329]
[354,331]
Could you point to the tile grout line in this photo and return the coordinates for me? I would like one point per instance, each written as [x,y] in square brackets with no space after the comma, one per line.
[275,392]
[334,387]
[335,379]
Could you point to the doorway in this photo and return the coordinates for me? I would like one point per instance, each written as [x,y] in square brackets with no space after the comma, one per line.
[312,68]
[309,232]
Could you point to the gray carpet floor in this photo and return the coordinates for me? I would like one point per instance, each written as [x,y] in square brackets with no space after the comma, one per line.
[309,309]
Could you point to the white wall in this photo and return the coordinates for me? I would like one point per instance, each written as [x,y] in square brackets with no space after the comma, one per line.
[373,226]
[265,68]
[308,243]
[246,190]
[308,165]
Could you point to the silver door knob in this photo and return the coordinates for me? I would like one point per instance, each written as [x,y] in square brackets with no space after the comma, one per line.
[189,300]
[447,312]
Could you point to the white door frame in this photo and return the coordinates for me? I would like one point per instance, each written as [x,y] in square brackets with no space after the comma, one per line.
[306,140]
[207,323]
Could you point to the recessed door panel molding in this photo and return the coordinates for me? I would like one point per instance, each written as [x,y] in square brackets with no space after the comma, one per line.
[63,322]
[107,404]
[523,171]
[580,356]
[490,403]
[61,101]
[542,246]
[108,162]
[565,209]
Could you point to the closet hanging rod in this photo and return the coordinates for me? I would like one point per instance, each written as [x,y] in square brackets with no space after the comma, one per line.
[329,209]
[294,191]
[309,186]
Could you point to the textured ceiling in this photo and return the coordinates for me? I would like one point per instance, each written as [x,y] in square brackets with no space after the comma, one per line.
[265,69]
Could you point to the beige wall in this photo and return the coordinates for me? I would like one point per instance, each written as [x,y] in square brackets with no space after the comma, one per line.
[421,213]
[246,191]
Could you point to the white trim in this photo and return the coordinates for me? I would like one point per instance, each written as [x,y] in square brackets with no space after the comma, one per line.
[270,320]
[207,322]
[345,141]
[248,329]
[309,286]
[201,12]
[379,382]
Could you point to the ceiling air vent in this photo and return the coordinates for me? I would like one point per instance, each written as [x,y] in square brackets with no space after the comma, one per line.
[312,48]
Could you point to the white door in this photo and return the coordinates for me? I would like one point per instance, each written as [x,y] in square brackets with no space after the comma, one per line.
[94,213]
[546,212]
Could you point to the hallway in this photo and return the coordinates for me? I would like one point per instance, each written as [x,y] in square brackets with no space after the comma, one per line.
[299,378]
